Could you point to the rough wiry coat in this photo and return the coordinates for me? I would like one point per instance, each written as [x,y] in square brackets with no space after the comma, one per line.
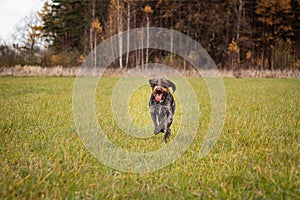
[162,111]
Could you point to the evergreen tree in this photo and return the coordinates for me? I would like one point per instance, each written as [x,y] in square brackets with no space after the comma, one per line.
[65,22]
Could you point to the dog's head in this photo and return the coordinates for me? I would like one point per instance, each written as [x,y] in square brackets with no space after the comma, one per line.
[160,87]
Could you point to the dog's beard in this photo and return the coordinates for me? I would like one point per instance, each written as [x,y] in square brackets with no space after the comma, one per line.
[158,93]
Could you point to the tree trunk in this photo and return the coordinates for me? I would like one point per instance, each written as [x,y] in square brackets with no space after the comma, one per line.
[95,49]
[91,35]
[239,16]
[172,42]
[147,39]
[119,18]
[128,28]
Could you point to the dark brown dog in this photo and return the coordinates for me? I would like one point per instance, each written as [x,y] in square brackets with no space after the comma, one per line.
[162,105]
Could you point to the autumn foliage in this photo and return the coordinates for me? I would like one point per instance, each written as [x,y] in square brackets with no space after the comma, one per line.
[238,34]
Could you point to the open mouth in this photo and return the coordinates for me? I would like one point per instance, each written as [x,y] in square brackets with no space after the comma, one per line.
[158,95]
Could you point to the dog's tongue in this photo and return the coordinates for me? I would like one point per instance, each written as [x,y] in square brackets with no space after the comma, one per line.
[158,97]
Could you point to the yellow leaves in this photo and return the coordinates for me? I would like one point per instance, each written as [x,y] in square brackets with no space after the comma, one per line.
[35,35]
[60,59]
[81,59]
[233,47]
[286,28]
[36,28]
[192,55]
[197,16]
[96,26]
[285,4]
[270,12]
[248,55]
[289,41]
[46,10]
[148,9]
[272,6]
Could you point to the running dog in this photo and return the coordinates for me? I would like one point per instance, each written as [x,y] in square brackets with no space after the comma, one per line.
[162,105]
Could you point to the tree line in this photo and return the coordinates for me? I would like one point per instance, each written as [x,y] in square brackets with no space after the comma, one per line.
[237,34]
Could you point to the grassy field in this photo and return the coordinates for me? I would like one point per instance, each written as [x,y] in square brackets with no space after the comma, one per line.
[256,157]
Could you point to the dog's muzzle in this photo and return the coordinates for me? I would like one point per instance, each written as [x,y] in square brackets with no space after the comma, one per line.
[158,93]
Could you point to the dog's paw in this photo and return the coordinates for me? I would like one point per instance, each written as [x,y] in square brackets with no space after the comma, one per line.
[167,136]
[166,139]
[157,131]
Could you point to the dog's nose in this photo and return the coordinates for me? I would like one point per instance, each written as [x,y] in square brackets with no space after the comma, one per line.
[158,91]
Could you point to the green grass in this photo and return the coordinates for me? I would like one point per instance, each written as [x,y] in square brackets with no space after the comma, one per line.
[256,157]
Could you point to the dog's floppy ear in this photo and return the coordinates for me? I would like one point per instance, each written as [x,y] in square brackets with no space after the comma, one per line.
[162,81]
[153,82]
[171,84]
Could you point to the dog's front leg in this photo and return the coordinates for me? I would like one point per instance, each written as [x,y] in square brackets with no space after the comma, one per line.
[154,116]
[168,132]
[154,119]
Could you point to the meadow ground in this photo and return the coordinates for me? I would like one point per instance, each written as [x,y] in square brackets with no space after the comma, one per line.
[256,157]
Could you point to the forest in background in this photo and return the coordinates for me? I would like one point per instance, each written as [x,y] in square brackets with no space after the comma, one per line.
[237,34]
